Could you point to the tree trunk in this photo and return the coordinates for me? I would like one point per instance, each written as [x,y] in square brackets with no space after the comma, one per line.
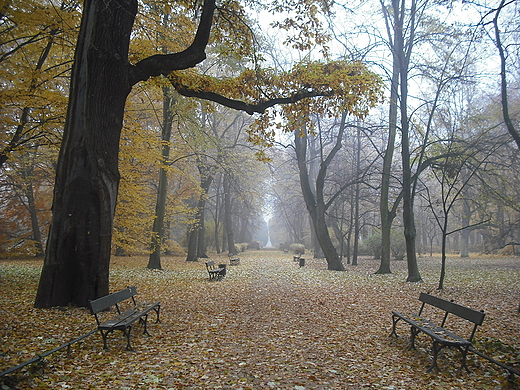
[444,229]
[388,212]
[316,205]
[154,261]
[464,233]
[36,233]
[76,267]
[228,222]
[408,213]
[196,239]
[356,199]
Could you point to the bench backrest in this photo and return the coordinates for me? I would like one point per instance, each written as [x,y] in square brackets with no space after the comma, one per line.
[475,316]
[210,264]
[113,299]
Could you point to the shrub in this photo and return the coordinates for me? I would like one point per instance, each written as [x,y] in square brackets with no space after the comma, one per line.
[297,248]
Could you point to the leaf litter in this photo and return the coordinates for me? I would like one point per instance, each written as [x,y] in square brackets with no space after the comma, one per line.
[267,325]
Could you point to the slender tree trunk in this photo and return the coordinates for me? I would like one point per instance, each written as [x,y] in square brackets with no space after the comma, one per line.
[408,213]
[443,253]
[356,197]
[511,128]
[464,234]
[76,266]
[217,217]
[196,238]
[154,261]
[388,212]
[33,212]
[227,216]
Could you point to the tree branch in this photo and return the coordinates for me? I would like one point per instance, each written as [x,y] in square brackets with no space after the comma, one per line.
[250,108]
[164,64]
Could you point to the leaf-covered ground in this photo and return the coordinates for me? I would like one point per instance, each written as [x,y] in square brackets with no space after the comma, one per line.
[268,325]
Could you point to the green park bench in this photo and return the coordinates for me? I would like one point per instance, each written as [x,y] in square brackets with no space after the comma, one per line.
[128,311]
[441,337]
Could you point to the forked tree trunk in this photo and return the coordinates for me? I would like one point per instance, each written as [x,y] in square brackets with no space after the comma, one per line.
[315,204]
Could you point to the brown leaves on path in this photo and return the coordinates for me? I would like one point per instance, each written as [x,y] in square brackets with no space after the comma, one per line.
[268,325]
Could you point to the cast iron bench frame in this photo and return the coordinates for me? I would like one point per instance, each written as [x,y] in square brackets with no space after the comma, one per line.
[215,272]
[440,336]
[125,318]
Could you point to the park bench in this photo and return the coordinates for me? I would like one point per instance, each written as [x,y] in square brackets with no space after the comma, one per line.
[233,259]
[215,272]
[128,311]
[299,259]
[440,336]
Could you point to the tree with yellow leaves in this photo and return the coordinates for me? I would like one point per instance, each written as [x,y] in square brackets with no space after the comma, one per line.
[76,266]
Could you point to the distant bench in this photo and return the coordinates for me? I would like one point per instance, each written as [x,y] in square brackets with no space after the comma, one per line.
[299,259]
[125,317]
[233,259]
[215,272]
[440,336]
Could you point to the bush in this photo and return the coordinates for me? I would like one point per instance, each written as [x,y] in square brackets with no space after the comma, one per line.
[298,249]
[172,248]
[397,244]
[373,245]
[253,245]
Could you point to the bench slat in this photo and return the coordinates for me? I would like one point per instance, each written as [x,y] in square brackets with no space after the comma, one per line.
[441,337]
[472,315]
[109,300]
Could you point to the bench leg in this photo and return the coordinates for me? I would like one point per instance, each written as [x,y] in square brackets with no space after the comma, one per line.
[395,319]
[464,351]
[144,321]
[436,348]
[104,336]
[413,333]
[127,332]
[157,311]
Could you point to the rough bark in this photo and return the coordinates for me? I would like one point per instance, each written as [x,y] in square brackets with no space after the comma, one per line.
[76,267]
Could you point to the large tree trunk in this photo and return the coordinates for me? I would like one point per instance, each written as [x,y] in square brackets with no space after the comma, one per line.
[76,267]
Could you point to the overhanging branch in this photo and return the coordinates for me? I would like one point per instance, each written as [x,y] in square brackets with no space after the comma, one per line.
[250,108]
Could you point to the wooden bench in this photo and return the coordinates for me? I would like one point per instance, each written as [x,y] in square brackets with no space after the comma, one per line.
[128,312]
[440,336]
[215,273]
